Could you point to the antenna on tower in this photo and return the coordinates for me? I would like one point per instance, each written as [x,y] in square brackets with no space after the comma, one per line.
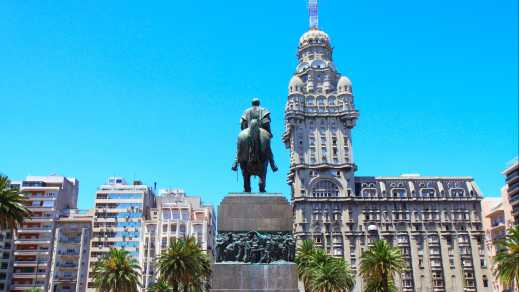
[313,14]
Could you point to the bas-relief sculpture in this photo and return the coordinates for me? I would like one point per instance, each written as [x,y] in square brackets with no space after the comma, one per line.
[255,247]
[253,153]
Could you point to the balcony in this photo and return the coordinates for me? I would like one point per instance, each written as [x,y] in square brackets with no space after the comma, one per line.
[31,252]
[68,240]
[68,253]
[67,265]
[28,275]
[41,208]
[24,287]
[497,223]
[45,240]
[30,263]
[42,197]
[39,219]
[24,229]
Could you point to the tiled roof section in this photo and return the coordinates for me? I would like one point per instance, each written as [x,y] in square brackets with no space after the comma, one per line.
[416,186]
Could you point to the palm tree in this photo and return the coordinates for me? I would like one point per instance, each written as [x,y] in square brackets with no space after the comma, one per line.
[12,209]
[303,262]
[117,271]
[379,264]
[506,261]
[184,266]
[160,286]
[321,272]
[378,286]
[332,275]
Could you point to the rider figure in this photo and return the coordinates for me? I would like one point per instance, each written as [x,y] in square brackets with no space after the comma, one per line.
[258,113]
[262,115]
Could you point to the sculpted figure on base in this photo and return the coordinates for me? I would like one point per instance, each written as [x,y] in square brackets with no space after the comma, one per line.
[255,247]
[253,153]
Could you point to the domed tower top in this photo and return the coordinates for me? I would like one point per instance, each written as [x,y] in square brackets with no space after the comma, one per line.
[314,37]
[314,40]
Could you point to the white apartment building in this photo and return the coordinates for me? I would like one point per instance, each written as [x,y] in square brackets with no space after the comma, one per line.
[47,198]
[120,210]
[6,246]
[176,216]
[69,267]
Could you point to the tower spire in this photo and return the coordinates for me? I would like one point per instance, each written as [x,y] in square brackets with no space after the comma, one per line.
[313,14]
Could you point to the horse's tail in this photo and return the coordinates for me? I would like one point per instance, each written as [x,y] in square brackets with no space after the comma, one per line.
[254,135]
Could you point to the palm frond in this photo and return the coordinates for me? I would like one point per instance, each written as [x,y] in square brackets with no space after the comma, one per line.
[12,207]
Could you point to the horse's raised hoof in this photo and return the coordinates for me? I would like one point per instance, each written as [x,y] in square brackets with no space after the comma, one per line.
[234,166]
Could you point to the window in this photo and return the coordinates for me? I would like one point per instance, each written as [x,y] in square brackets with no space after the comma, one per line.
[166,214]
[164,243]
[48,203]
[457,192]
[451,263]
[483,263]
[399,193]
[325,188]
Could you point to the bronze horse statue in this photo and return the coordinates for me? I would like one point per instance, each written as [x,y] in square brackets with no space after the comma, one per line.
[254,155]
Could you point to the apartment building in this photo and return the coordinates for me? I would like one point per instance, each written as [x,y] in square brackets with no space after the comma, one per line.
[120,210]
[511,174]
[47,197]
[6,265]
[497,219]
[69,268]
[176,215]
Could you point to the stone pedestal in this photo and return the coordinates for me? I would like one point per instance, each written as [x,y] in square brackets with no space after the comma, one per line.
[242,212]
[238,277]
[261,212]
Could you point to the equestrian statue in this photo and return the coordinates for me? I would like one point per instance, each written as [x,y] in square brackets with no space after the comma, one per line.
[253,153]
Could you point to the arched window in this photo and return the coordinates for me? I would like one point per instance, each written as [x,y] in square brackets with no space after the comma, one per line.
[325,188]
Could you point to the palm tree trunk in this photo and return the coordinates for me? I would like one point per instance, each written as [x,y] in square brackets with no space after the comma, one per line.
[385,284]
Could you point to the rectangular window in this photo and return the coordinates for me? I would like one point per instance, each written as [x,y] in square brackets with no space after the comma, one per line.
[164,243]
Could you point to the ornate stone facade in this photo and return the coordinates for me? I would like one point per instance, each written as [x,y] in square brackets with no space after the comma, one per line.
[319,116]
[436,221]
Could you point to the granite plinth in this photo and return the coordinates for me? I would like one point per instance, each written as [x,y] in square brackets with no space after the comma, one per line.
[242,212]
[239,277]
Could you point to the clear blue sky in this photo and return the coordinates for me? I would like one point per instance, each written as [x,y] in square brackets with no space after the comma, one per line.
[154,91]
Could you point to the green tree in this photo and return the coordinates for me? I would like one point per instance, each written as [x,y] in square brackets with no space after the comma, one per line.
[183,265]
[303,262]
[12,209]
[160,286]
[506,261]
[117,271]
[332,275]
[379,264]
[321,272]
